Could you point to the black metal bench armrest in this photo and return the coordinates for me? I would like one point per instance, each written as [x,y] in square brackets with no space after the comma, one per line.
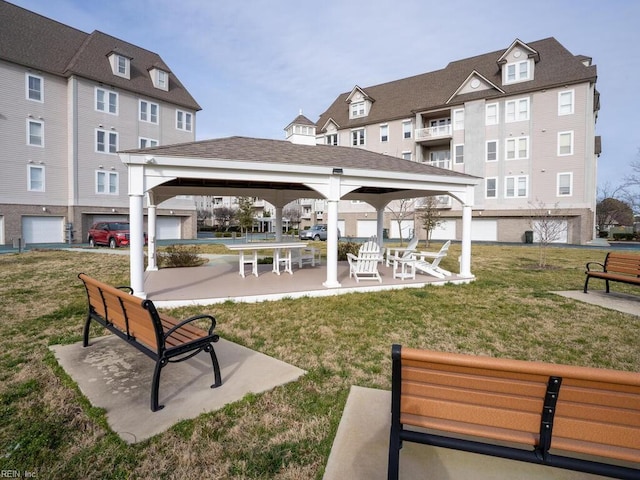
[190,320]
[126,288]
[595,263]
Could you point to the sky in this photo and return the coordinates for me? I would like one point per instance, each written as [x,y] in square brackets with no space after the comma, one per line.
[253,65]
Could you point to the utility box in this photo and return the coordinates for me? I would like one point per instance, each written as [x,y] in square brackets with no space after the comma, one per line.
[528,236]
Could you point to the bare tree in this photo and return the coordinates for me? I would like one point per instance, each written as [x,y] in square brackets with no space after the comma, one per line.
[611,211]
[293,213]
[401,210]
[631,186]
[224,215]
[427,213]
[549,225]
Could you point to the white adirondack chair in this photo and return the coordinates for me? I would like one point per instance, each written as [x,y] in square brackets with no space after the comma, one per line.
[432,267]
[365,265]
[400,253]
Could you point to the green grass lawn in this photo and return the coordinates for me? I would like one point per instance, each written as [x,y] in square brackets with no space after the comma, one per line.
[48,427]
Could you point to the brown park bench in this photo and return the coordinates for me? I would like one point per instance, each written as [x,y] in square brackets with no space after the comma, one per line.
[159,336]
[617,267]
[576,418]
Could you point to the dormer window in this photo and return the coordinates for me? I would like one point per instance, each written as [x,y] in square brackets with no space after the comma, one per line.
[160,78]
[517,72]
[359,103]
[120,65]
[358,109]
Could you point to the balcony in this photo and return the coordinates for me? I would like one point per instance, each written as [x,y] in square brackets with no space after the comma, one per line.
[434,135]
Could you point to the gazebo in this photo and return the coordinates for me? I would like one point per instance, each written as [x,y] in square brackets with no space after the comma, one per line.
[279,172]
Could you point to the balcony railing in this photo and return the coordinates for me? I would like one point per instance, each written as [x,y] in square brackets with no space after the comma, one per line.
[432,133]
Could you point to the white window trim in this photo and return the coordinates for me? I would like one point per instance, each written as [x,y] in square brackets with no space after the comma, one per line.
[572,92]
[518,78]
[107,143]
[149,116]
[30,168]
[184,121]
[148,140]
[570,133]
[107,175]
[116,66]
[558,193]
[384,127]
[516,110]
[515,189]
[364,137]
[107,93]
[407,127]
[407,154]
[486,187]
[27,90]
[486,113]
[354,111]
[455,154]
[458,119]
[37,122]
[516,149]
[486,150]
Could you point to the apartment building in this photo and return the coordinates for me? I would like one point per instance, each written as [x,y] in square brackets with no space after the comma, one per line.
[70,100]
[522,118]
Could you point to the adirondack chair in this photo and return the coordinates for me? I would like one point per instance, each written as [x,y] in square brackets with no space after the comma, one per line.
[397,253]
[365,265]
[432,267]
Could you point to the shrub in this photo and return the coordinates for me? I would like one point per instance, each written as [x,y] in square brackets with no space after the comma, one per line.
[347,247]
[180,256]
[623,236]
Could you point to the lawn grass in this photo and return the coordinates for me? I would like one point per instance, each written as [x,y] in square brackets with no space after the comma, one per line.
[48,427]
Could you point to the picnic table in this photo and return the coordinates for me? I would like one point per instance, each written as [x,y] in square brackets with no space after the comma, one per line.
[282,254]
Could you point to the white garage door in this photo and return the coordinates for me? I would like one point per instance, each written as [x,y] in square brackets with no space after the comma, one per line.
[342,228]
[42,229]
[486,230]
[168,228]
[367,228]
[446,230]
[405,225]
[555,231]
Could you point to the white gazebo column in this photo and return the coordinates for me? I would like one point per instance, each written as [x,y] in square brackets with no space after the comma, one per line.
[278,225]
[152,264]
[380,225]
[465,258]
[332,245]
[136,239]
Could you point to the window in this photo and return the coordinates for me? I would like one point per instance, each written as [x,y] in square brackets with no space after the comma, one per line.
[34,88]
[106,142]
[106,101]
[459,152]
[357,137]
[331,139]
[183,120]
[458,119]
[517,148]
[147,142]
[440,158]
[491,187]
[492,114]
[565,143]
[492,150]
[122,66]
[35,133]
[357,109]
[107,182]
[516,110]
[565,102]
[162,79]
[148,112]
[516,187]
[36,178]
[406,155]
[384,133]
[517,72]
[406,129]
[565,184]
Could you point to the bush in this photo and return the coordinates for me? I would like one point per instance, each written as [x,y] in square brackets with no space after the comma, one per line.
[180,256]
[347,247]
[603,234]
[623,236]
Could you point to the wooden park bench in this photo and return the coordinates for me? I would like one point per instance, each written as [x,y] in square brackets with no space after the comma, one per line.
[576,418]
[617,267]
[159,336]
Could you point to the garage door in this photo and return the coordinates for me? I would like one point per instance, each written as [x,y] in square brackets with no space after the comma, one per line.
[168,228]
[405,225]
[367,228]
[554,231]
[43,229]
[446,230]
[484,230]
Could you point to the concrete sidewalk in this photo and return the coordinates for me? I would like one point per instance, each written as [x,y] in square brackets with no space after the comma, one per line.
[115,376]
[621,302]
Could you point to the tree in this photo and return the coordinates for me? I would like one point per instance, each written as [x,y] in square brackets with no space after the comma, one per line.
[428,215]
[401,210]
[245,213]
[611,211]
[293,213]
[631,186]
[224,215]
[549,225]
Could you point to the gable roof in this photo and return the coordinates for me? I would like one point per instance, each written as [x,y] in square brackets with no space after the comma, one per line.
[40,43]
[403,98]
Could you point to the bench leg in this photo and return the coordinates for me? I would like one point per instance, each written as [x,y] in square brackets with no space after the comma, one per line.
[586,284]
[216,366]
[85,331]
[155,385]
[393,468]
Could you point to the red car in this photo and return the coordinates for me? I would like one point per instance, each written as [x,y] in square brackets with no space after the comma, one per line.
[113,234]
